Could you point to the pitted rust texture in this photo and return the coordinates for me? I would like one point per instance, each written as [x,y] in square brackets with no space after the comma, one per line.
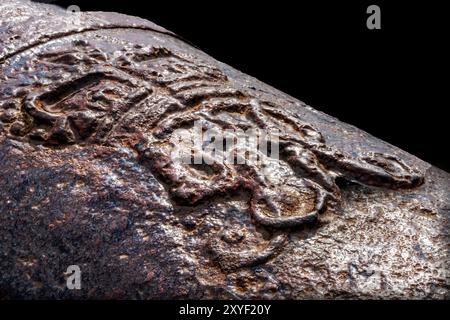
[106,103]
[89,116]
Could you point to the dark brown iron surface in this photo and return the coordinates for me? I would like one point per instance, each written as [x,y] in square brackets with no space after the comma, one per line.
[89,104]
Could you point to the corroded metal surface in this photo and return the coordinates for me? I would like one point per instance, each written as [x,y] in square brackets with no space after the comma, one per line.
[88,108]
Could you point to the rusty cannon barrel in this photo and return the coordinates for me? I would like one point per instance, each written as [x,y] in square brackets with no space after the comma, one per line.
[133,165]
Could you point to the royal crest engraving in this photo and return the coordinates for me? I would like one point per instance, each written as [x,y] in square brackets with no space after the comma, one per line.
[139,96]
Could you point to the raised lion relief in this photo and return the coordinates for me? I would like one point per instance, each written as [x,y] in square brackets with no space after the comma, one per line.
[140,96]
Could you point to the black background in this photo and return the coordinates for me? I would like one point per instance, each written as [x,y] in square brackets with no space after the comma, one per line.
[391,82]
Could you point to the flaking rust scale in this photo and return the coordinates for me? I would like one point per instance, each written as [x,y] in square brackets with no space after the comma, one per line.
[87,118]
